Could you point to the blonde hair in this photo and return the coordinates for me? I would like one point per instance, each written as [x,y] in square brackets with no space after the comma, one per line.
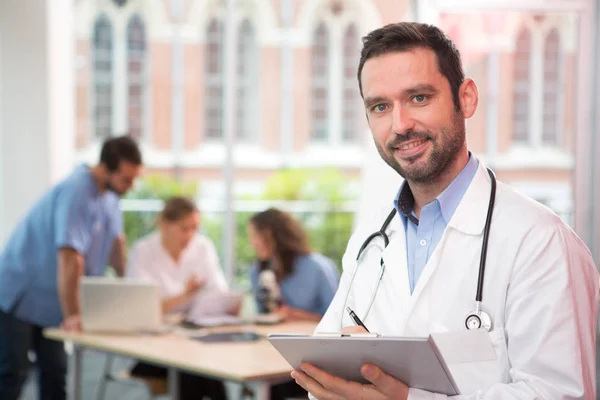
[176,208]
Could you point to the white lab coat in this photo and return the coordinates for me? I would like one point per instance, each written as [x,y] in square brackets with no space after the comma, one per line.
[540,289]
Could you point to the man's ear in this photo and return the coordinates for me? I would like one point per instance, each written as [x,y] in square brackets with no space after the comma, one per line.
[468,96]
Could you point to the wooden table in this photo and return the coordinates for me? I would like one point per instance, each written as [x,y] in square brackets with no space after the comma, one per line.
[254,364]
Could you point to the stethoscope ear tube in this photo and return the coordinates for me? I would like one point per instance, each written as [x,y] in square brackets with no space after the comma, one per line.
[486,234]
[380,232]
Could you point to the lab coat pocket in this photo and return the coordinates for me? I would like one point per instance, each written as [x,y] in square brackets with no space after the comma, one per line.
[482,374]
[498,338]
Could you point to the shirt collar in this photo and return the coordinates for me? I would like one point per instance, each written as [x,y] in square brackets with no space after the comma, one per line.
[404,203]
[451,196]
[448,200]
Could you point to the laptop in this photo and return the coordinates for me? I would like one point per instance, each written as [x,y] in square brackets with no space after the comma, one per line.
[118,305]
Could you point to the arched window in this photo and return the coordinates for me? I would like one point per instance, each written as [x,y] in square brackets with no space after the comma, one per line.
[522,96]
[136,75]
[247,83]
[103,77]
[320,94]
[552,84]
[213,72]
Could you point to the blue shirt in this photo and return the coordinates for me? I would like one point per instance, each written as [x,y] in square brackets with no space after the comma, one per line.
[423,234]
[311,285]
[71,214]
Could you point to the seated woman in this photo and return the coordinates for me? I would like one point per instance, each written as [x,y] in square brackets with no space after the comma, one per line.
[182,262]
[288,278]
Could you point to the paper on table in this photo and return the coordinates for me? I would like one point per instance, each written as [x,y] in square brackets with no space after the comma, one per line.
[216,320]
[214,304]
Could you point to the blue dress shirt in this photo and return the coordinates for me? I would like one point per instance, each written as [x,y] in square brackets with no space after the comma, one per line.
[72,214]
[423,234]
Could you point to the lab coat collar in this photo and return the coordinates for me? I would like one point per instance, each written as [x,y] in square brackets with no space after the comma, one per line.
[394,257]
[470,215]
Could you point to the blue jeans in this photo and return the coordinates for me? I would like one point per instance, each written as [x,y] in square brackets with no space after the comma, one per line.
[16,339]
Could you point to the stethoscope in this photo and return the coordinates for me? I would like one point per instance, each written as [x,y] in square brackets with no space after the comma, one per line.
[475,319]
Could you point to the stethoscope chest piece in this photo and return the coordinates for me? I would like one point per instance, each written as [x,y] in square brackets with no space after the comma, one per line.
[478,319]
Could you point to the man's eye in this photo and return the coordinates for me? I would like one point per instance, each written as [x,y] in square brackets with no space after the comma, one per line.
[380,108]
[420,98]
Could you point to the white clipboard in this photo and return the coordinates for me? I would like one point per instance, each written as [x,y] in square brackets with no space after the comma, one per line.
[417,361]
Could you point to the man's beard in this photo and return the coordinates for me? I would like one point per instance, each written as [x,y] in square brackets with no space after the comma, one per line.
[446,148]
[111,188]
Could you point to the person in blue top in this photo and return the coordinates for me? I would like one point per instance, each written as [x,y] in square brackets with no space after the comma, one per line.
[287,278]
[75,229]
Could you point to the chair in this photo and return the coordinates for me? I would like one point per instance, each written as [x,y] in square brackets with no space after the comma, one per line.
[154,386]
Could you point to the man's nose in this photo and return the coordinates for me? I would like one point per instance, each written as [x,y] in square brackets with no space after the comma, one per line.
[402,120]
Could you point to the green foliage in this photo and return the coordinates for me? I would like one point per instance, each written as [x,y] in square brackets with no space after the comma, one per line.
[161,187]
[287,184]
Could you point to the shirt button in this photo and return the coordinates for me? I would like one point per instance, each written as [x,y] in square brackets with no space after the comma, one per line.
[423,242]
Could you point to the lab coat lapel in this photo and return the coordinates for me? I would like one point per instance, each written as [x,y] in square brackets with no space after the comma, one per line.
[469,218]
[396,268]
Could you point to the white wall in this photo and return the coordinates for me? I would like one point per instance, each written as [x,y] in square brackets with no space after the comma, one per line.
[36,102]
[379,184]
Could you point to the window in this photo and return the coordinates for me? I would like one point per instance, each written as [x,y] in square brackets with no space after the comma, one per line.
[214,80]
[136,75]
[522,90]
[247,78]
[351,114]
[552,84]
[102,77]
[320,94]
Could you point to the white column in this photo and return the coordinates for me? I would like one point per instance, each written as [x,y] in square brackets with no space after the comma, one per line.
[586,175]
[177,105]
[334,87]
[120,121]
[36,102]
[286,120]
[229,107]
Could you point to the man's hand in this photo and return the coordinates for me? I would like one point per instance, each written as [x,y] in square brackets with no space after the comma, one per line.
[284,312]
[193,285]
[71,266]
[325,386]
[72,323]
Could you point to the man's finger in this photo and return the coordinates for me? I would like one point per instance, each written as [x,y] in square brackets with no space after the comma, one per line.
[332,383]
[353,329]
[383,383]
[313,387]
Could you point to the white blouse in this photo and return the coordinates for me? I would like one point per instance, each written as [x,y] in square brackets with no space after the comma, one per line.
[150,261]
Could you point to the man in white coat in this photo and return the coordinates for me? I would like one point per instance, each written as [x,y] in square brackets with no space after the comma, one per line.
[540,287]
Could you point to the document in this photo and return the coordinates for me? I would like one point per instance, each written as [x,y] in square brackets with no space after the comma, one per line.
[215,306]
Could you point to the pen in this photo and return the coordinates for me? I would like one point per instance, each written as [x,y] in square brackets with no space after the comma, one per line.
[355,318]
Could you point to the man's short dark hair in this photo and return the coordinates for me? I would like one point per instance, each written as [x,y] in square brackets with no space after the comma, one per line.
[117,149]
[405,36]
